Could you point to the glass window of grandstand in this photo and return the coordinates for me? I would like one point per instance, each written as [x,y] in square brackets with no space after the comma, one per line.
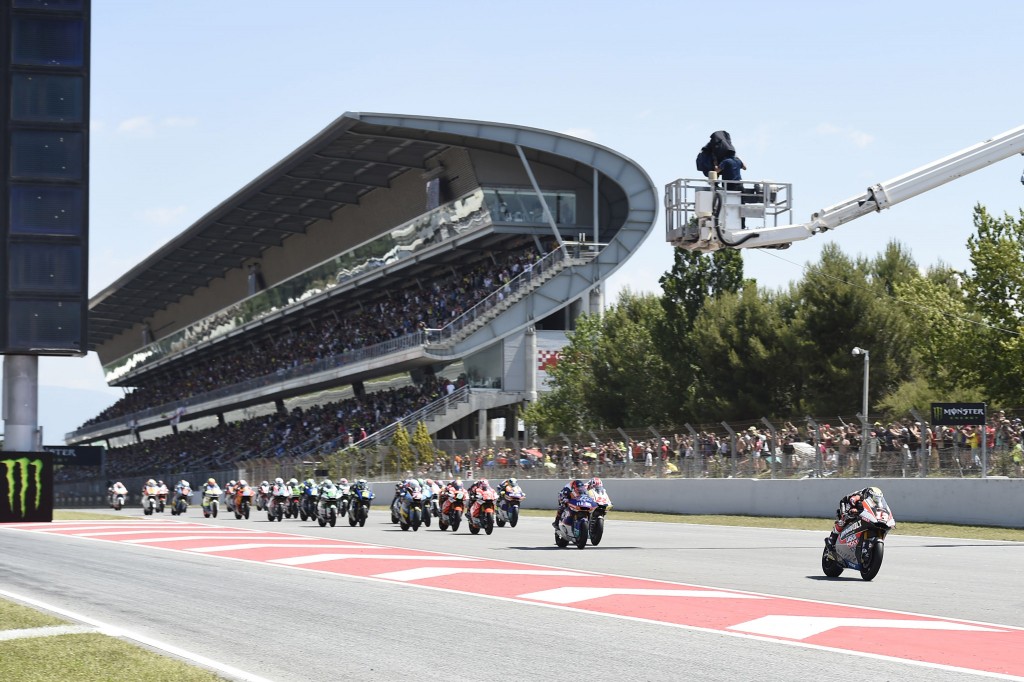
[512,205]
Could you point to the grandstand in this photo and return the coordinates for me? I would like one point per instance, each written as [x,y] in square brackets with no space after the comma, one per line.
[389,265]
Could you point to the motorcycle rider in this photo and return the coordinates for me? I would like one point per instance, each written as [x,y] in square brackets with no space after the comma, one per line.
[574,488]
[449,492]
[210,485]
[480,485]
[849,509]
[182,491]
[117,489]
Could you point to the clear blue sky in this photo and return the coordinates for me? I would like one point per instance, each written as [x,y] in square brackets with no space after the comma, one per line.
[192,99]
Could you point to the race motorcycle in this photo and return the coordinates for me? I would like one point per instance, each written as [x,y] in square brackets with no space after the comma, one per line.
[307,506]
[452,506]
[574,523]
[361,498]
[344,498]
[602,503]
[211,501]
[327,506]
[410,512]
[161,499]
[292,512]
[396,504]
[277,503]
[243,500]
[433,503]
[118,495]
[509,498]
[481,511]
[181,503]
[150,497]
[263,496]
[861,544]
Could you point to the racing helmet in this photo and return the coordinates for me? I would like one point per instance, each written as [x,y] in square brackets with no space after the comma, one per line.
[361,481]
[151,482]
[210,481]
[293,481]
[264,482]
[428,481]
[184,484]
[343,481]
[595,482]
[327,483]
[578,487]
[159,482]
[484,483]
[232,482]
[278,481]
[242,483]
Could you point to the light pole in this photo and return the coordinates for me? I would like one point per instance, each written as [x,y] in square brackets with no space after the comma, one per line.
[857,350]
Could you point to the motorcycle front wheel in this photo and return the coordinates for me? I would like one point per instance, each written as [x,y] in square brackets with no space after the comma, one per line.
[332,518]
[489,524]
[363,513]
[455,523]
[214,507]
[597,531]
[513,516]
[582,533]
[560,541]
[873,563]
[832,569]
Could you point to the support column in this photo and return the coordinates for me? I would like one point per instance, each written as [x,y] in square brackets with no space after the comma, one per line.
[220,419]
[597,301]
[481,428]
[531,364]
[21,403]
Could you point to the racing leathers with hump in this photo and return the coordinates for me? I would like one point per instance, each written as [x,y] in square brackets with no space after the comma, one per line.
[848,510]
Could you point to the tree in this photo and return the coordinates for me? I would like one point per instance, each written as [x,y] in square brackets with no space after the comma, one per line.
[610,373]
[423,445]
[995,289]
[402,456]
[743,347]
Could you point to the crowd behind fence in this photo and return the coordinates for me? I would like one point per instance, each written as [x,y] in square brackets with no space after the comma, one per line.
[814,448]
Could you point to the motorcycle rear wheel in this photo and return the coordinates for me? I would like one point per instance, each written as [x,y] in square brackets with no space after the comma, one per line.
[500,522]
[829,567]
[474,529]
[874,563]
[583,534]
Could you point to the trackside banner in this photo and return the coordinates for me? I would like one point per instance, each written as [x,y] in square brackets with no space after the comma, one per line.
[26,487]
[958,414]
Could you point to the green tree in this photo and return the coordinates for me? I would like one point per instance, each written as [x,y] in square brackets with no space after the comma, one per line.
[402,456]
[744,353]
[995,289]
[423,444]
[610,373]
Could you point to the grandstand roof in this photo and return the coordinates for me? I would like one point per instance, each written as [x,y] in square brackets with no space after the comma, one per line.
[354,155]
[333,169]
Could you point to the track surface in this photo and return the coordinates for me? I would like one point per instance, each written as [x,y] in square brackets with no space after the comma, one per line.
[280,623]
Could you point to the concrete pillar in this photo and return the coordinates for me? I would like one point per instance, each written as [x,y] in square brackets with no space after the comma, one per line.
[481,427]
[358,389]
[220,419]
[531,364]
[597,301]
[21,403]
[279,405]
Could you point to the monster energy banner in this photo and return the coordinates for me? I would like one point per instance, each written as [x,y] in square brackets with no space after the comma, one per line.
[26,486]
[958,414]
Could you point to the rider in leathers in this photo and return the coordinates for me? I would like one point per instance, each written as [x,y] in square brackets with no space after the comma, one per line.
[849,509]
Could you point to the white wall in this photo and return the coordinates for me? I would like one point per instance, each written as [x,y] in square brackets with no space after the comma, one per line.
[986,502]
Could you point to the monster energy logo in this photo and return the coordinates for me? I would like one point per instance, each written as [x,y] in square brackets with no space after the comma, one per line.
[17,495]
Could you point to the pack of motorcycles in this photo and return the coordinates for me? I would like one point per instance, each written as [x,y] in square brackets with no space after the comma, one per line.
[860,545]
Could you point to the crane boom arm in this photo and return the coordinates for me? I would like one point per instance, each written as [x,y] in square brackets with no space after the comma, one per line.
[725,226]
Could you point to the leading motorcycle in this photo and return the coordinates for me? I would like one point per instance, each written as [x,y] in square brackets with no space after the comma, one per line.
[150,497]
[574,522]
[861,544]
[183,496]
[277,503]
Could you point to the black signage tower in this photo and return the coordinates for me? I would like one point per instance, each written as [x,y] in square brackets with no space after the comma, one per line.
[44,224]
[44,206]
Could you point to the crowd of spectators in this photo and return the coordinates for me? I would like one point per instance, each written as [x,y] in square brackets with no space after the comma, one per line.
[895,448]
[405,311]
[343,422]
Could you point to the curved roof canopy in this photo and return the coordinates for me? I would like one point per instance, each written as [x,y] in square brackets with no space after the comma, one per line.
[354,155]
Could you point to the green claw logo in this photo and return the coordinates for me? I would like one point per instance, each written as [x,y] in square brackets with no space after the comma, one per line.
[23,466]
